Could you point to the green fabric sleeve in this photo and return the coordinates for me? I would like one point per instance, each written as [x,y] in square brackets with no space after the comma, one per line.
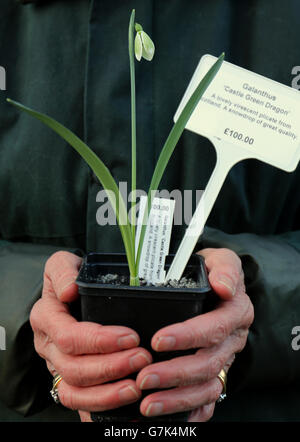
[272,277]
[24,379]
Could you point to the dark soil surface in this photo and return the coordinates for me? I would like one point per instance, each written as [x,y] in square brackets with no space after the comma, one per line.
[115,279]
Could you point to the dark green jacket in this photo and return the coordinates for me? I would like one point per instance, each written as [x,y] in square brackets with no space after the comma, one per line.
[69,59]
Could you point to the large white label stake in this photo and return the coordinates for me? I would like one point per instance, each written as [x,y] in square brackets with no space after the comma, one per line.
[245,116]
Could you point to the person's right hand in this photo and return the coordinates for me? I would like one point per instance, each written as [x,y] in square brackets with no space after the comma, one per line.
[85,354]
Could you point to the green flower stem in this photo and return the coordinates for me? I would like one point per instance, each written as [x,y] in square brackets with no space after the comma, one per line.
[133,137]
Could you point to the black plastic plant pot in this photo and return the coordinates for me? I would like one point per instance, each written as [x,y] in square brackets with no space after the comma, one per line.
[145,309]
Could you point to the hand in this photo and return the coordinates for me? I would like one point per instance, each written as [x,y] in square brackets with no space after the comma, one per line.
[217,335]
[85,354]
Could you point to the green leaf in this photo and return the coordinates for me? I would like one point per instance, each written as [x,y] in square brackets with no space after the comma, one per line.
[100,170]
[173,138]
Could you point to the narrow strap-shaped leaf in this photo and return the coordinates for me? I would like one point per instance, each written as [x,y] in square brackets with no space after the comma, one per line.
[172,140]
[100,170]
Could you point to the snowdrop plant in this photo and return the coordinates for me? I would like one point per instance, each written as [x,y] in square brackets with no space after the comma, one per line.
[140,47]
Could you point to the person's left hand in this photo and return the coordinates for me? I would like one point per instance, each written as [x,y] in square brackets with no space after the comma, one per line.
[190,382]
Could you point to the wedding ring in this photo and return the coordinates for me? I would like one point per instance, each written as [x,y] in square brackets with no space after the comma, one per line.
[222,376]
[54,392]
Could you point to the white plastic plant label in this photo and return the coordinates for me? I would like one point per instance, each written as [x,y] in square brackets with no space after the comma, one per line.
[157,238]
[259,115]
[245,115]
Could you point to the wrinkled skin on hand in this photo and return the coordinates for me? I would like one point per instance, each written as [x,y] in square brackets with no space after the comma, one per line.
[95,360]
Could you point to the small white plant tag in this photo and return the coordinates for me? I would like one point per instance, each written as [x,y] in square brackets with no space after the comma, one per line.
[157,238]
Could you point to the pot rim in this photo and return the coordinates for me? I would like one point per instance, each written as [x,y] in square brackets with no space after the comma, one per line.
[114,260]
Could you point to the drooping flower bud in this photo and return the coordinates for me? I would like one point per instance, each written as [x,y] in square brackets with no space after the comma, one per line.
[143,45]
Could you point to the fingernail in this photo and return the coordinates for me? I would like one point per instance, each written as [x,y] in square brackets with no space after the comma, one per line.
[150,381]
[154,409]
[128,341]
[228,283]
[138,361]
[165,343]
[128,394]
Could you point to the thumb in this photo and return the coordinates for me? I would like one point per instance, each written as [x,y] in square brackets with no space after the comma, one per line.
[61,271]
[224,271]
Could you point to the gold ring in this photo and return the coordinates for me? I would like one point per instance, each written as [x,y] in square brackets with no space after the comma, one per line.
[222,376]
[54,392]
